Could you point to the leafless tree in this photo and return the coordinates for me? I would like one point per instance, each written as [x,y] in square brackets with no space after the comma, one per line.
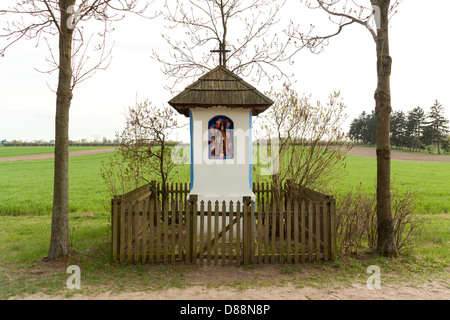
[64,19]
[308,146]
[242,27]
[145,142]
[373,15]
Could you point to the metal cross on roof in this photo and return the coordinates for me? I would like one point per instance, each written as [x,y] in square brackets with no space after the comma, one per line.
[220,51]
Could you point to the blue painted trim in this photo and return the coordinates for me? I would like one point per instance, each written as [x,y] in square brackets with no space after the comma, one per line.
[250,171]
[191,129]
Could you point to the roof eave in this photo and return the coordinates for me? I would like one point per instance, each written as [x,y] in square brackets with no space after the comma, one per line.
[184,109]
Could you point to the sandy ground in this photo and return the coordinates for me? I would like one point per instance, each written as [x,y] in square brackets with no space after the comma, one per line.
[431,291]
[214,283]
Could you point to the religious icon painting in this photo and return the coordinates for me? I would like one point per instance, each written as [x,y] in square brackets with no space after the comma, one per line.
[221,145]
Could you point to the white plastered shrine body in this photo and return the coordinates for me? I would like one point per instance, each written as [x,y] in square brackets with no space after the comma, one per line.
[220,106]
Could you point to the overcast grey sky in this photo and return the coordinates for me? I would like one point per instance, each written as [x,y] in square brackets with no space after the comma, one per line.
[420,48]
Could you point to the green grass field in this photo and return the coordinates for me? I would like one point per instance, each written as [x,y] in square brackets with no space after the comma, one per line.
[431,180]
[27,186]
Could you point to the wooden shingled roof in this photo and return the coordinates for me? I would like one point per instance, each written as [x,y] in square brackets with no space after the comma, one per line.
[220,87]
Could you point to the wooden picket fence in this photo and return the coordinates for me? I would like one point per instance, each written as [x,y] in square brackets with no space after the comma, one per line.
[146,229]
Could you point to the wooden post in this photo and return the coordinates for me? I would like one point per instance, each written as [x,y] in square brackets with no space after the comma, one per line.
[310,232]
[144,230]
[244,234]
[166,232]
[176,197]
[154,191]
[216,233]
[325,204]
[136,224]
[115,214]
[333,229]
[230,234]
[173,215]
[194,213]
[252,233]
[180,230]
[274,228]
[208,236]
[158,231]
[188,233]
[202,230]
[266,229]
[129,233]
[281,230]
[122,232]
[170,197]
[238,233]
[151,234]
[260,232]
[263,196]
[193,199]
[318,236]
[223,231]
[247,229]
[288,231]
[302,231]
[296,212]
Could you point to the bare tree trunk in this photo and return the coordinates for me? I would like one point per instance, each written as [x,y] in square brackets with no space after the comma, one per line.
[386,244]
[59,242]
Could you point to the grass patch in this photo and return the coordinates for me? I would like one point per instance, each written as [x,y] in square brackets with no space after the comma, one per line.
[430,179]
[27,186]
[434,241]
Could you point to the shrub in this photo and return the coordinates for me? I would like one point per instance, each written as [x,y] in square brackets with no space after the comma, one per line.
[356,221]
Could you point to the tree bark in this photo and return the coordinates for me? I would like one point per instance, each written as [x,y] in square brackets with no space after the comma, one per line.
[59,241]
[224,36]
[386,243]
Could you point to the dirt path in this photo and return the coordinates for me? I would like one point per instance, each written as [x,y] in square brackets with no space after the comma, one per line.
[368,152]
[430,291]
[231,283]
[51,155]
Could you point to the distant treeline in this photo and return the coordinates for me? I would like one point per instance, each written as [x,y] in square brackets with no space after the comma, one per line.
[18,143]
[416,130]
